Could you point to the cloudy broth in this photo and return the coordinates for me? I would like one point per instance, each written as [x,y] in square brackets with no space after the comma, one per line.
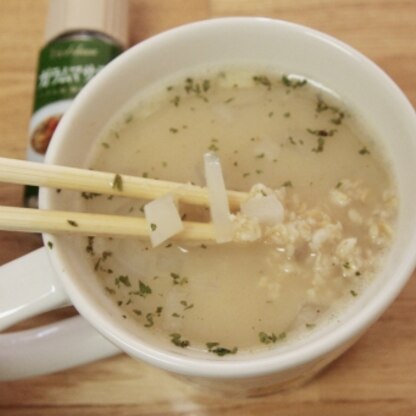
[305,147]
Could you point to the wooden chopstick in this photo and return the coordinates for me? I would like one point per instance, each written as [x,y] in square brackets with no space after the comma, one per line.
[91,224]
[84,180]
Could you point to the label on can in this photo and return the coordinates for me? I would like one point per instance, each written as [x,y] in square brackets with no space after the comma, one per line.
[64,67]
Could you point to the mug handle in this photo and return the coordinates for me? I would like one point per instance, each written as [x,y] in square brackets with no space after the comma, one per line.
[29,286]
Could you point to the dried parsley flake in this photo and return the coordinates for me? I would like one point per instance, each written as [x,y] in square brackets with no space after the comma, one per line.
[117,182]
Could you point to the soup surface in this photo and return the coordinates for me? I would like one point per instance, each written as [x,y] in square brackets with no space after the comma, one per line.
[275,135]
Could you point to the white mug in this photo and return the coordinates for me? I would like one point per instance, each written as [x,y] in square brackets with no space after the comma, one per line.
[47,279]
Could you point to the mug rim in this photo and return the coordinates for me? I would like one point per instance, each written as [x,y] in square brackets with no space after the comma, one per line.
[244,366]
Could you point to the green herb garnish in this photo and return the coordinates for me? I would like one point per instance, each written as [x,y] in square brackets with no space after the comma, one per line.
[320,145]
[266,338]
[262,80]
[117,182]
[293,83]
[149,319]
[110,290]
[122,279]
[177,340]
[89,195]
[322,132]
[176,100]
[129,118]
[364,151]
[144,289]
[206,85]
[271,338]
[178,279]
[186,305]
[215,348]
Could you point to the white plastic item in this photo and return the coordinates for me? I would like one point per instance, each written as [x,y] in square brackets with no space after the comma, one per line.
[29,286]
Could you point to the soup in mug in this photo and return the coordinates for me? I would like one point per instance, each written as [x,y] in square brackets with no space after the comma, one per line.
[276,135]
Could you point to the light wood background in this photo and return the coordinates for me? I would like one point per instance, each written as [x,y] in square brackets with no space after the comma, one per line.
[376,377]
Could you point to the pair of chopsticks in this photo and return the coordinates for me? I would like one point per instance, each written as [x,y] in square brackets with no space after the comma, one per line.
[92,224]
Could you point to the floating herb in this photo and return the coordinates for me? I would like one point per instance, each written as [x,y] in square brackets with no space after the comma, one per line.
[177,340]
[50,244]
[322,106]
[262,80]
[215,348]
[213,147]
[178,280]
[72,223]
[186,305]
[293,83]
[353,293]
[90,246]
[117,182]
[176,100]
[189,86]
[364,151]
[144,289]
[122,279]
[110,290]
[128,119]
[287,184]
[89,195]
[266,338]
[149,319]
[206,85]
[153,226]
[322,132]
[338,119]
[320,146]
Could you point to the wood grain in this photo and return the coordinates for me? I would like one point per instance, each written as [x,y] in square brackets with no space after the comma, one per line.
[376,377]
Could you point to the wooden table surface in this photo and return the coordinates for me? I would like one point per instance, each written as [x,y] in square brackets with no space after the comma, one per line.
[376,377]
